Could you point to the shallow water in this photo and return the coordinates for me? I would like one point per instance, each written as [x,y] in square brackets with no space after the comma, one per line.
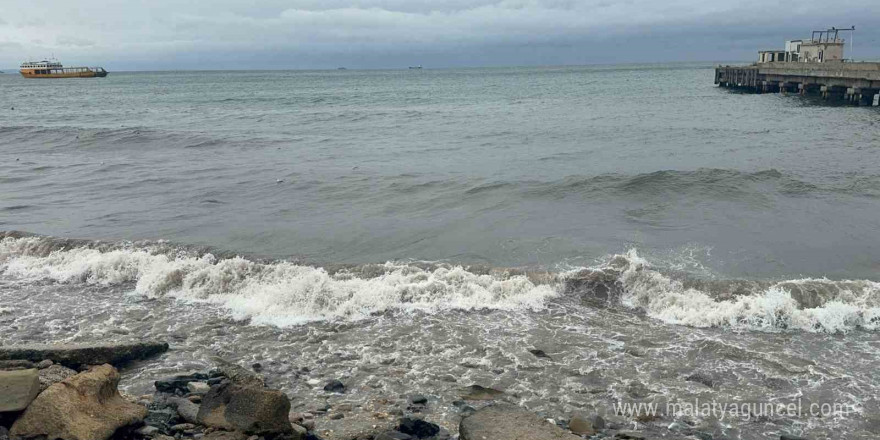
[420,232]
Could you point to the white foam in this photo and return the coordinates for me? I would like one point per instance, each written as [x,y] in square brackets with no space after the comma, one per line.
[280,293]
[856,303]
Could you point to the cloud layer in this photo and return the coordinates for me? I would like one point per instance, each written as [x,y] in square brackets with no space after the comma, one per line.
[379,33]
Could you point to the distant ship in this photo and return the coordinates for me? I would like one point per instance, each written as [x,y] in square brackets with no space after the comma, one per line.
[415,67]
[54,69]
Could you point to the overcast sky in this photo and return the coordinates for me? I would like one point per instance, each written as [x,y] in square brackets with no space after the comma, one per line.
[304,34]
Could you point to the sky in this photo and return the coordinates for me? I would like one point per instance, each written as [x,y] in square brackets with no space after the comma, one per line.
[315,34]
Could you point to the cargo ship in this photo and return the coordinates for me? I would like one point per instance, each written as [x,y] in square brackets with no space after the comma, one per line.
[54,69]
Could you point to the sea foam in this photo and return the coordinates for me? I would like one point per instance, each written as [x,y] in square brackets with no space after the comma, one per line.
[277,293]
[840,306]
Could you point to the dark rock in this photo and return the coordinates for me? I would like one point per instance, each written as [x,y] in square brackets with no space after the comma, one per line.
[393,435]
[45,363]
[74,355]
[419,399]
[702,435]
[418,428]
[216,380]
[16,364]
[162,419]
[540,353]
[18,388]
[506,422]
[791,437]
[334,386]
[631,435]
[247,409]
[257,367]
[702,378]
[477,392]
[337,416]
[598,422]
[178,384]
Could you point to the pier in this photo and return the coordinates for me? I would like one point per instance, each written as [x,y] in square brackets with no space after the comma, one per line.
[856,83]
[810,66]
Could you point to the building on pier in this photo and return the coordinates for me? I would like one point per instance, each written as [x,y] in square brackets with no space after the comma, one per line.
[814,66]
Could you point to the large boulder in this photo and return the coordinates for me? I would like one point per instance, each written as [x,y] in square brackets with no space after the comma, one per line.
[18,388]
[75,355]
[508,422]
[83,407]
[248,409]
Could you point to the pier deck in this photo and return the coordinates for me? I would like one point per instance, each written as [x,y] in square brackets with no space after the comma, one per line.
[857,83]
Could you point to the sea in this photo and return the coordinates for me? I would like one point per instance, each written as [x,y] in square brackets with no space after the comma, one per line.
[577,238]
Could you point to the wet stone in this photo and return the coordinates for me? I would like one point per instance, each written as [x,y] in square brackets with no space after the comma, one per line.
[418,428]
[334,386]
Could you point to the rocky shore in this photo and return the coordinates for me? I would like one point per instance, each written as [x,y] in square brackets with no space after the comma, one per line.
[70,393]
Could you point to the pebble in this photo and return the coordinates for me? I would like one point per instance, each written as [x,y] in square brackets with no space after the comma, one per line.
[198,387]
[183,427]
[194,398]
[337,416]
[581,426]
[334,386]
[419,399]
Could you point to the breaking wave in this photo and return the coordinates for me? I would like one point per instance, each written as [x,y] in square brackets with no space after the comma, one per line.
[284,293]
[816,305]
[277,293]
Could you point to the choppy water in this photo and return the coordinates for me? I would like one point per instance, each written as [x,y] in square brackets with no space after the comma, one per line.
[421,231]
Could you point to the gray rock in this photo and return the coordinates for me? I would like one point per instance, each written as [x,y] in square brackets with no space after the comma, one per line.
[419,399]
[187,410]
[147,431]
[18,388]
[54,374]
[4,433]
[598,422]
[45,363]
[247,409]
[477,392]
[75,355]
[790,437]
[237,374]
[581,425]
[198,387]
[507,422]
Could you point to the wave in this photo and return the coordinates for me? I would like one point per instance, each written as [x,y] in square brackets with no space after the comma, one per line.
[285,293]
[278,293]
[120,138]
[810,304]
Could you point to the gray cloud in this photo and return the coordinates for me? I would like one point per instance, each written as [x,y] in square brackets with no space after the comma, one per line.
[377,33]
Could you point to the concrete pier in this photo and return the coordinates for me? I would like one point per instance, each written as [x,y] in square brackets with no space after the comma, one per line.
[855,83]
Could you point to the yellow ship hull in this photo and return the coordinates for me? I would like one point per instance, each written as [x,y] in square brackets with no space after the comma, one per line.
[73,72]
